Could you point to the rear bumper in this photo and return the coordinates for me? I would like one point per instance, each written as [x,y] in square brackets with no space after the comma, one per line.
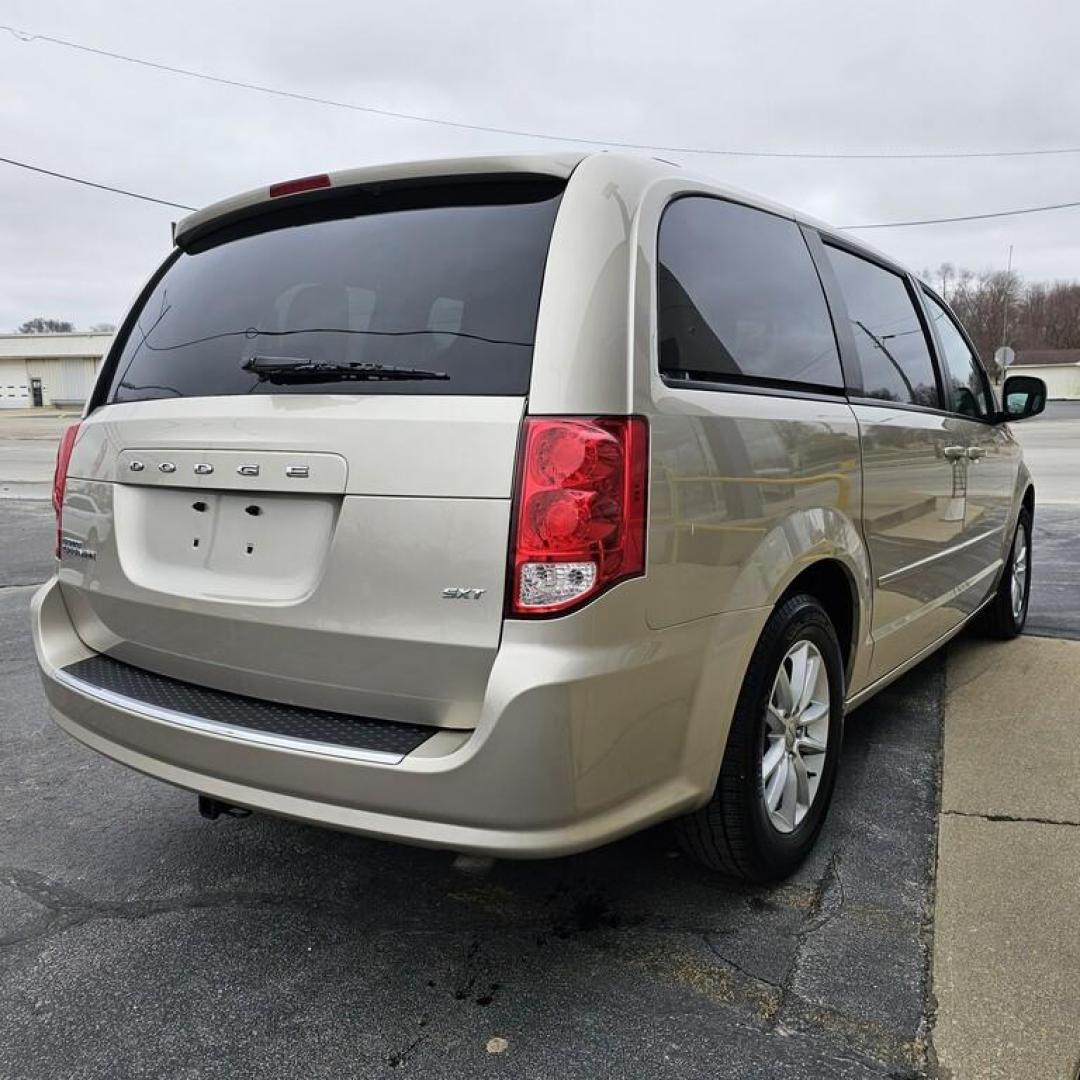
[578,744]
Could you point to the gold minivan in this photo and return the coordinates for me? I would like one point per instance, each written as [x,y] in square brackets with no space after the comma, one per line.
[511,505]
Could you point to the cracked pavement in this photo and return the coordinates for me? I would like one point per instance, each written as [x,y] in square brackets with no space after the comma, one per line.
[139,940]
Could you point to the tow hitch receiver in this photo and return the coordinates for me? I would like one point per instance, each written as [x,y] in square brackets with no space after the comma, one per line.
[212,809]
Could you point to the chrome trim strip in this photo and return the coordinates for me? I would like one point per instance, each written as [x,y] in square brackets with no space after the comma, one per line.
[211,727]
[892,575]
[868,692]
[939,601]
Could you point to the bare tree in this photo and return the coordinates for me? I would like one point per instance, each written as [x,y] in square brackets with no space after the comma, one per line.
[40,325]
[997,309]
[1050,316]
[103,328]
[990,307]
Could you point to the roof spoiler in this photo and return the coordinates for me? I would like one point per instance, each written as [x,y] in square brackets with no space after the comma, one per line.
[323,186]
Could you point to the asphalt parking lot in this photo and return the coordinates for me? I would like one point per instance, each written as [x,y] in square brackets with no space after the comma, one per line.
[138,940]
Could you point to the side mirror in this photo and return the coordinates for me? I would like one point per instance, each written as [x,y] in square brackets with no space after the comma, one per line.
[1022,396]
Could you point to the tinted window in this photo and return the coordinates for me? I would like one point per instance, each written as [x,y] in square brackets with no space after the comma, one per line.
[739,298]
[445,285]
[963,376]
[889,335]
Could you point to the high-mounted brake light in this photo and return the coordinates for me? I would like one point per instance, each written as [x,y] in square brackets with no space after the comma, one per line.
[304,183]
[579,514]
[63,459]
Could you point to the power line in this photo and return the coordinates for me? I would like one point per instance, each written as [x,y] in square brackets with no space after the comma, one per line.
[965,217]
[26,36]
[876,225]
[93,184]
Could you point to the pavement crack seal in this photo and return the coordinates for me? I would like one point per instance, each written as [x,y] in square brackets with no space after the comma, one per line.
[1010,818]
[738,967]
[822,912]
[829,898]
[728,984]
[66,908]
[872,1041]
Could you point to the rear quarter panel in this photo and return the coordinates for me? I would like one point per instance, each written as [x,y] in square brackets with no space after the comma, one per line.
[746,489]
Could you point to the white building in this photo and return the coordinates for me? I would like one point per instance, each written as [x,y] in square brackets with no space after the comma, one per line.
[49,370]
[1058,368]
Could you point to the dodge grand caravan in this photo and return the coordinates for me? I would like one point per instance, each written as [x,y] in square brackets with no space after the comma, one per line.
[511,505]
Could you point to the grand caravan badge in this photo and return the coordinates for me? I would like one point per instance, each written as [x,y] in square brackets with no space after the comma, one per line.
[76,548]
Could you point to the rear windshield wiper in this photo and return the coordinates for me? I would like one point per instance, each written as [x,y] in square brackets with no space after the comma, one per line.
[293,369]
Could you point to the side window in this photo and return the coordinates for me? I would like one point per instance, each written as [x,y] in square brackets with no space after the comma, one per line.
[964,382]
[889,335]
[739,298]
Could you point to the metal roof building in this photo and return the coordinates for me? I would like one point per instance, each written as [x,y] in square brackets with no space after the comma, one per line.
[1058,368]
[49,370]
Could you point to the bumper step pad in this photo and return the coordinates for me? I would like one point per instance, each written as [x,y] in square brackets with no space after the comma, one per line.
[217,707]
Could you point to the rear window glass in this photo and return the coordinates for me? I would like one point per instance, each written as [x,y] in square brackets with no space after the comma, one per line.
[739,300]
[439,283]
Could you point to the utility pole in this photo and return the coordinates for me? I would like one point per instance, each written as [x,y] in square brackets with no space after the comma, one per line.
[1005,312]
[1003,355]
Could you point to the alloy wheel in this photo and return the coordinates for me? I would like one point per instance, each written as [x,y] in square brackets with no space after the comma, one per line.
[796,736]
[1018,584]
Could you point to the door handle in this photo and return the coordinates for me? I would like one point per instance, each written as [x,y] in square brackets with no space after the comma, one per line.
[954,453]
[975,452]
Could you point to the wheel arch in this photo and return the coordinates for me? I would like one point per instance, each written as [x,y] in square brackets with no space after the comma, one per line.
[819,550]
[1025,502]
[831,582]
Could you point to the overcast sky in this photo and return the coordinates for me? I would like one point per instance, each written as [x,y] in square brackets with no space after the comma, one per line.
[820,76]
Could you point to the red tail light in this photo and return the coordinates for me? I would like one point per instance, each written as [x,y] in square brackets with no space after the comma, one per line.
[579,515]
[294,187]
[63,458]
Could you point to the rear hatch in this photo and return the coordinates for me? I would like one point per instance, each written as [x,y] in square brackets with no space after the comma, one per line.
[295,480]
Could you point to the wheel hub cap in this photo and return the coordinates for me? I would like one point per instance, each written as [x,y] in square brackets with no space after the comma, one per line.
[796,736]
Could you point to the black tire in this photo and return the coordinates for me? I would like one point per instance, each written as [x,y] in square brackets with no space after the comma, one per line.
[998,619]
[732,833]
